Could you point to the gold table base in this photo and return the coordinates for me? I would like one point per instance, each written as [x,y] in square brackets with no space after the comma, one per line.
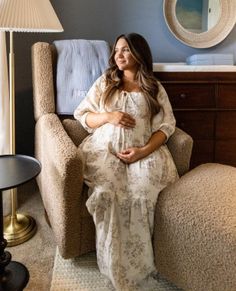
[18,228]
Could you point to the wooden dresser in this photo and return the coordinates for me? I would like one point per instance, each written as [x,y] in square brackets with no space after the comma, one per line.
[204,105]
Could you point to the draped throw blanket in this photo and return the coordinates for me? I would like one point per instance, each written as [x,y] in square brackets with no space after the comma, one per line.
[79,63]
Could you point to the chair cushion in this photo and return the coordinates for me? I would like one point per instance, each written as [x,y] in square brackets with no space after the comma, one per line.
[80,62]
[75,130]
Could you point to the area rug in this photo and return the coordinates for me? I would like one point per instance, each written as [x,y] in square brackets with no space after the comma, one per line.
[82,274]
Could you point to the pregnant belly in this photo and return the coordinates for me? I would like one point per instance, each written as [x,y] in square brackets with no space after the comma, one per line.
[117,139]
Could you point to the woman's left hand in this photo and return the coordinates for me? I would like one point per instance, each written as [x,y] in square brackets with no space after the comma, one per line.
[131,155]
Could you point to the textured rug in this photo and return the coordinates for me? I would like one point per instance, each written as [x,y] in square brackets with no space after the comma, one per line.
[38,253]
[82,274]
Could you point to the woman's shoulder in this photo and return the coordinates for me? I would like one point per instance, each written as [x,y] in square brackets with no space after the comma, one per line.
[161,88]
[159,83]
[101,82]
[162,94]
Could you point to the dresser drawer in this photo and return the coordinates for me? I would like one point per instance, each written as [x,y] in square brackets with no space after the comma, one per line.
[198,124]
[225,152]
[204,105]
[191,95]
[226,125]
[203,152]
[226,96]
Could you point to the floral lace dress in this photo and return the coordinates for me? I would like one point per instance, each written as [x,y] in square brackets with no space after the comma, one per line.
[122,197]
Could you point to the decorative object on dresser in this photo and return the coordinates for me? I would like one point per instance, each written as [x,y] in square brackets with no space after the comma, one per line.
[202,25]
[22,16]
[204,104]
[211,59]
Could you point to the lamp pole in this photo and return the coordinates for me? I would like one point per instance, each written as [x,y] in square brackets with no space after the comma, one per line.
[18,228]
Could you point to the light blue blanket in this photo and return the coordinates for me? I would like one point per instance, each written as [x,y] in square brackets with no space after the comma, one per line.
[80,62]
[211,59]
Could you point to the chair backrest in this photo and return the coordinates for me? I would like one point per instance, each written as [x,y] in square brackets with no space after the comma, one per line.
[43,81]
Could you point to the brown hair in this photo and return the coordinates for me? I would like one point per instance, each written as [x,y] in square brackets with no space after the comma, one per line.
[141,52]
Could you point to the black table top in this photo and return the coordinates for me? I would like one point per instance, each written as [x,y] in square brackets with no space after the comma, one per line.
[16,170]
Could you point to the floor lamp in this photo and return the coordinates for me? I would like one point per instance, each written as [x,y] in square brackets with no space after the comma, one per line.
[22,16]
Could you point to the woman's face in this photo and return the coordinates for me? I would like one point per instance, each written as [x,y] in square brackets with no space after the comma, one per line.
[123,57]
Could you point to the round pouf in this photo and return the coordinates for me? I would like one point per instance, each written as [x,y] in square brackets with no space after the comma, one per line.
[195,230]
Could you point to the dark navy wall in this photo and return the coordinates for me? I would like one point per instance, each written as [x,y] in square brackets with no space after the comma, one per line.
[99,19]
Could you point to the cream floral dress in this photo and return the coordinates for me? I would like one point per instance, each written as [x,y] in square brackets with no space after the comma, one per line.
[122,197]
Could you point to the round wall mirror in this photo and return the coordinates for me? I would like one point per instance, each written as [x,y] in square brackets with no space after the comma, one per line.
[200,23]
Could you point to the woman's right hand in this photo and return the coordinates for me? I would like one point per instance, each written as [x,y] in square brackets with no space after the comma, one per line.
[121,119]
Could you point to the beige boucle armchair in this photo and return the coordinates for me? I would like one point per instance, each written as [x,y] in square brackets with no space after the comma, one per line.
[56,147]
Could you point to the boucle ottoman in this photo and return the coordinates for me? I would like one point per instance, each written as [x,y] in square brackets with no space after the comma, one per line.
[195,230]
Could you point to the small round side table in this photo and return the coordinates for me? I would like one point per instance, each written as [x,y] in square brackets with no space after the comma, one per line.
[15,170]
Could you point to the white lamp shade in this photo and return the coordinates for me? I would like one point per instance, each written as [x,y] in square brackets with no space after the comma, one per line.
[28,16]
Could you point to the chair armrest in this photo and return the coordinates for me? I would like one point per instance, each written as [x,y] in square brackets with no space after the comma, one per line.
[60,181]
[75,130]
[180,145]
[53,145]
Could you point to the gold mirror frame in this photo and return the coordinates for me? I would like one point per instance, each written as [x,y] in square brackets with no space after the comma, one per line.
[205,39]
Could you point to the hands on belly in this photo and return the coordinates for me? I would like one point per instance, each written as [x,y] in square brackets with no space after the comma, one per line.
[131,155]
[121,119]
[125,120]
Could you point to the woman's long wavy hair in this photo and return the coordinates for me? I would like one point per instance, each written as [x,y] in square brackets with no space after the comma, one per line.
[141,52]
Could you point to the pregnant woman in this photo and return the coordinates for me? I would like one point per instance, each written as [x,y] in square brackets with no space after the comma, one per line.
[126,162]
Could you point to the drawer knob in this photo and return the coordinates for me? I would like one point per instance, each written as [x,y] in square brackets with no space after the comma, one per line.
[183,96]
